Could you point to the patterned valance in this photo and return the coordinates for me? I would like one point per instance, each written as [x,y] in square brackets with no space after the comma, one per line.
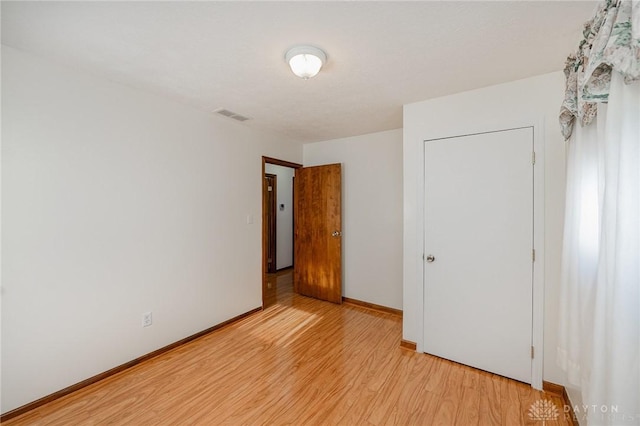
[611,43]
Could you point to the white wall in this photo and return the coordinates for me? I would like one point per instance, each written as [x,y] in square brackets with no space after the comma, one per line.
[284,218]
[486,109]
[116,202]
[371,212]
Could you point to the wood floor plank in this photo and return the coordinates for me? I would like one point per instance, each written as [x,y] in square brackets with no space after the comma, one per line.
[392,391]
[510,402]
[301,362]
[451,397]
[490,407]
[469,409]
[405,397]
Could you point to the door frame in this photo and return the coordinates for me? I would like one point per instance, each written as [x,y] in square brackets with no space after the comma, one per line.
[270,160]
[538,241]
[271,227]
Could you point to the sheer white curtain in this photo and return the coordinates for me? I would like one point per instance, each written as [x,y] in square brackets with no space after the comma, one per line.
[599,330]
[614,379]
[600,295]
[580,249]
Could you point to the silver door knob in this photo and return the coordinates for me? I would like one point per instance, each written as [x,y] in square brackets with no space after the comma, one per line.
[336,234]
[431,258]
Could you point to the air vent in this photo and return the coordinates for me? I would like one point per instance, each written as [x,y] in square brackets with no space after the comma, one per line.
[231,114]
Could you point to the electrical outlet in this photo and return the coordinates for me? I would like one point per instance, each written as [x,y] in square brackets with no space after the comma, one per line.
[147,319]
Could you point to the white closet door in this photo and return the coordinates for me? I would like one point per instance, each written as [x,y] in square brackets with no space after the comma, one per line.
[479,231]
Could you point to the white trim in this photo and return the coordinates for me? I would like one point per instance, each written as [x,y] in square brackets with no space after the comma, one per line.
[537,335]
[538,239]
[420,246]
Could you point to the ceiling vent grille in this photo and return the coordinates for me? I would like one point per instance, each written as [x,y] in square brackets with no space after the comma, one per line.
[231,114]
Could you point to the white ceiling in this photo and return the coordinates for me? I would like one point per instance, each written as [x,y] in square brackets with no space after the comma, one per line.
[381,55]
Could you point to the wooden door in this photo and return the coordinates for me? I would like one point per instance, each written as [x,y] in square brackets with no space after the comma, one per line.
[269,199]
[318,232]
[478,251]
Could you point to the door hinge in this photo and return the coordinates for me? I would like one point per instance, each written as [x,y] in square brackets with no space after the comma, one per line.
[533,157]
[533,255]
[532,352]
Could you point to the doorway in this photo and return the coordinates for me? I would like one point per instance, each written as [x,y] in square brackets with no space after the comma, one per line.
[314,232]
[277,222]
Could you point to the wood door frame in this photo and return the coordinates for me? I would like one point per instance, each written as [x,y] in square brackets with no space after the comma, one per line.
[271,226]
[538,236]
[270,160]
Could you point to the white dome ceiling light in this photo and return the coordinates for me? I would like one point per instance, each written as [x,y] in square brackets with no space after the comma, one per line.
[305,61]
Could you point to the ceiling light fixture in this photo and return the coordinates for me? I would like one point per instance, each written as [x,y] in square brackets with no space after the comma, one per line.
[305,61]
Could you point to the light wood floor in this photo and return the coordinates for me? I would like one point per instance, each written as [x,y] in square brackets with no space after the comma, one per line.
[301,361]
